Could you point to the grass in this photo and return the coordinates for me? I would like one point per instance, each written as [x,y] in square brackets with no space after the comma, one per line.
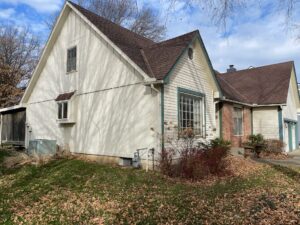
[78,192]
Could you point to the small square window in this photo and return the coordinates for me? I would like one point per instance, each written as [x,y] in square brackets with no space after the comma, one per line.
[71,59]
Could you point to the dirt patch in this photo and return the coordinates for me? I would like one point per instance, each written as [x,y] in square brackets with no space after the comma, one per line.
[275,156]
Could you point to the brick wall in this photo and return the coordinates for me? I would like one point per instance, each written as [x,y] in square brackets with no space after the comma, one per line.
[227,124]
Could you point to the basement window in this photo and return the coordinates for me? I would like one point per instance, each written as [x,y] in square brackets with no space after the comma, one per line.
[71,59]
[237,121]
[62,110]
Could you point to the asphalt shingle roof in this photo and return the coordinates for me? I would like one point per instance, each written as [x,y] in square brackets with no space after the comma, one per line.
[155,59]
[261,85]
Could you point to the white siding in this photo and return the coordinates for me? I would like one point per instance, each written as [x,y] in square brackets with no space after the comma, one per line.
[290,110]
[194,75]
[113,111]
[265,122]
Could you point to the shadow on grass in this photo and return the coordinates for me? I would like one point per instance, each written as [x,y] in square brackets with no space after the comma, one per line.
[291,173]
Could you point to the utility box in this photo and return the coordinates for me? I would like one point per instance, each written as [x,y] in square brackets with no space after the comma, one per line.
[42,147]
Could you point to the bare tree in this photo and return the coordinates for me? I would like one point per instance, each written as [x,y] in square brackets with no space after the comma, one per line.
[126,13]
[147,25]
[221,11]
[19,51]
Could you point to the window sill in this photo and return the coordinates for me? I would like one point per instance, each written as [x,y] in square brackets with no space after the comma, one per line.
[238,135]
[72,71]
[65,122]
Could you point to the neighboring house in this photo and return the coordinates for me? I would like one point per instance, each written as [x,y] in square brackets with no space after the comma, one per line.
[260,100]
[12,119]
[103,90]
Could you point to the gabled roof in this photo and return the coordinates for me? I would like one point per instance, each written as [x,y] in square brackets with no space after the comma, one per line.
[263,85]
[155,59]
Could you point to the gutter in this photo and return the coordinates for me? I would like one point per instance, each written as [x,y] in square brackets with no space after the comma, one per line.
[250,105]
[20,106]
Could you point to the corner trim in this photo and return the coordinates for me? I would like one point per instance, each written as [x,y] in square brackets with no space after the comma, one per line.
[280,125]
[162,102]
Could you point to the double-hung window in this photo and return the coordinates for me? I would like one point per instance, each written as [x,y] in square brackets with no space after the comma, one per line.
[62,110]
[191,111]
[71,59]
[237,121]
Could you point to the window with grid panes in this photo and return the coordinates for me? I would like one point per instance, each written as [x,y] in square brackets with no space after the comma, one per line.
[191,113]
[71,59]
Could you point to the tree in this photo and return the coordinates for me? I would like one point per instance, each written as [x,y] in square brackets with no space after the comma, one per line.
[221,11]
[19,51]
[126,13]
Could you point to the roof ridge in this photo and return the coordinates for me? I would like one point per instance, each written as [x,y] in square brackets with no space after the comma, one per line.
[113,23]
[176,37]
[259,67]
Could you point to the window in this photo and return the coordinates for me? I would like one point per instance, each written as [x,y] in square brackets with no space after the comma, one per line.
[71,59]
[238,121]
[191,113]
[191,53]
[62,110]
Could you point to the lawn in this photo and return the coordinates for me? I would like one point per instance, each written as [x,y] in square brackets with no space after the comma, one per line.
[78,192]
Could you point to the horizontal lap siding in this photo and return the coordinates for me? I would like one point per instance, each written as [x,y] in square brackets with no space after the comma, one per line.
[265,122]
[194,75]
[290,110]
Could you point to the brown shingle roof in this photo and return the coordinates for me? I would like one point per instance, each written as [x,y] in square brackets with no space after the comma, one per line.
[64,96]
[155,59]
[262,85]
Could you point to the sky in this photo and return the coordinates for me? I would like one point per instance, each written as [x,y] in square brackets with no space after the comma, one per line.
[254,36]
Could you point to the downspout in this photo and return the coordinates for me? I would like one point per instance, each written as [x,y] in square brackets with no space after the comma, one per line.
[162,117]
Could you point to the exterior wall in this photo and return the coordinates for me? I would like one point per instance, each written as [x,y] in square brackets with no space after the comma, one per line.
[112,110]
[265,122]
[290,110]
[194,75]
[290,118]
[227,124]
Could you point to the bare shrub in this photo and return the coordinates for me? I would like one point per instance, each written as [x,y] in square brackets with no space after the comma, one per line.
[274,146]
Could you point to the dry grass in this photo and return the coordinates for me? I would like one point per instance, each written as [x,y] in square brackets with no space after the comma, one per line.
[77,192]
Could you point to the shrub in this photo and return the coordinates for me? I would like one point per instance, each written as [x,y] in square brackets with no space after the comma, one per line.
[256,142]
[194,163]
[219,142]
[214,159]
[166,162]
[274,146]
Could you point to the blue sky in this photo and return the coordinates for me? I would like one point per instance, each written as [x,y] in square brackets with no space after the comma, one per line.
[254,36]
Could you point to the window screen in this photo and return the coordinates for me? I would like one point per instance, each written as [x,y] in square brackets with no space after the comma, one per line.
[71,59]
[238,121]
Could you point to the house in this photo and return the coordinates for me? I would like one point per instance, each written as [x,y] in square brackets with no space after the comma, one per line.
[102,90]
[108,93]
[260,100]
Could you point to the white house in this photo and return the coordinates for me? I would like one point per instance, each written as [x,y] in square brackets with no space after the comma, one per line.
[100,89]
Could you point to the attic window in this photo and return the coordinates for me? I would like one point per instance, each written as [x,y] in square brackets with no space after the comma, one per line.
[191,53]
[71,59]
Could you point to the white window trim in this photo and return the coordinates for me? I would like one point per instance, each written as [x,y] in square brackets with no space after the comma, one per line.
[62,109]
[241,108]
